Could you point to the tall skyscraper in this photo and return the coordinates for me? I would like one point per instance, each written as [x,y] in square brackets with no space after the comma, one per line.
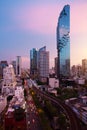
[63,43]
[43,62]
[39,63]
[18,66]
[33,61]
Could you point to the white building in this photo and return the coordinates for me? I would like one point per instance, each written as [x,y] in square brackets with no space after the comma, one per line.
[18,98]
[19,92]
[6,90]
[81,81]
[9,80]
[3,103]
[53,82]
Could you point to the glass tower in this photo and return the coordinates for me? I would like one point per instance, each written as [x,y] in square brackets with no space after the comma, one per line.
[33,61]
[63,43]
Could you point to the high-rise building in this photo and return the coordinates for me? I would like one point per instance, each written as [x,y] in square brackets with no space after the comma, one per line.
[14,65]
[76,71]
[3,64]
[43,62]
[33,61]
[63,43]
[84,66]
[18,66]
[39,63]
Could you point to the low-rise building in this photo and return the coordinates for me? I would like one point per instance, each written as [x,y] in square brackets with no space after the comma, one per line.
[16,112]
[9,78]
[53,82]
[79,106]
[3,103]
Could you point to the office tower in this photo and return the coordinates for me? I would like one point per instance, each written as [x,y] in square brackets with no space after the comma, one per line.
[84,66]
[33,62]
[43,62]
[18,66]
[63,43]
[73,71]
[3,64]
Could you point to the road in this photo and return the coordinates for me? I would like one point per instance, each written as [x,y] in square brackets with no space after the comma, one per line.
[32,117]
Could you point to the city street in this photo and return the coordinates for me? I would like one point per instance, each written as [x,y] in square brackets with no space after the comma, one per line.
[32,117]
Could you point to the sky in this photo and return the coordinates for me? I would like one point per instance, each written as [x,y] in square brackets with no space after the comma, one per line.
[27,24]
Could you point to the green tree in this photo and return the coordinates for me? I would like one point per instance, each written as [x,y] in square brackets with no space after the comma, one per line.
[52,110]
[59,91]
[62,122]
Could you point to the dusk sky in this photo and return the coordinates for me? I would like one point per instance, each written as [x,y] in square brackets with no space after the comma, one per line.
[27,24]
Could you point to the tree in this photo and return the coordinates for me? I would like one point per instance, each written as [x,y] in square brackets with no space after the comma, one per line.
[51,109]
[59,91]
[62,121]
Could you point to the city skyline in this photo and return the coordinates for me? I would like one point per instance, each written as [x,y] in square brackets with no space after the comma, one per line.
[30,24]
